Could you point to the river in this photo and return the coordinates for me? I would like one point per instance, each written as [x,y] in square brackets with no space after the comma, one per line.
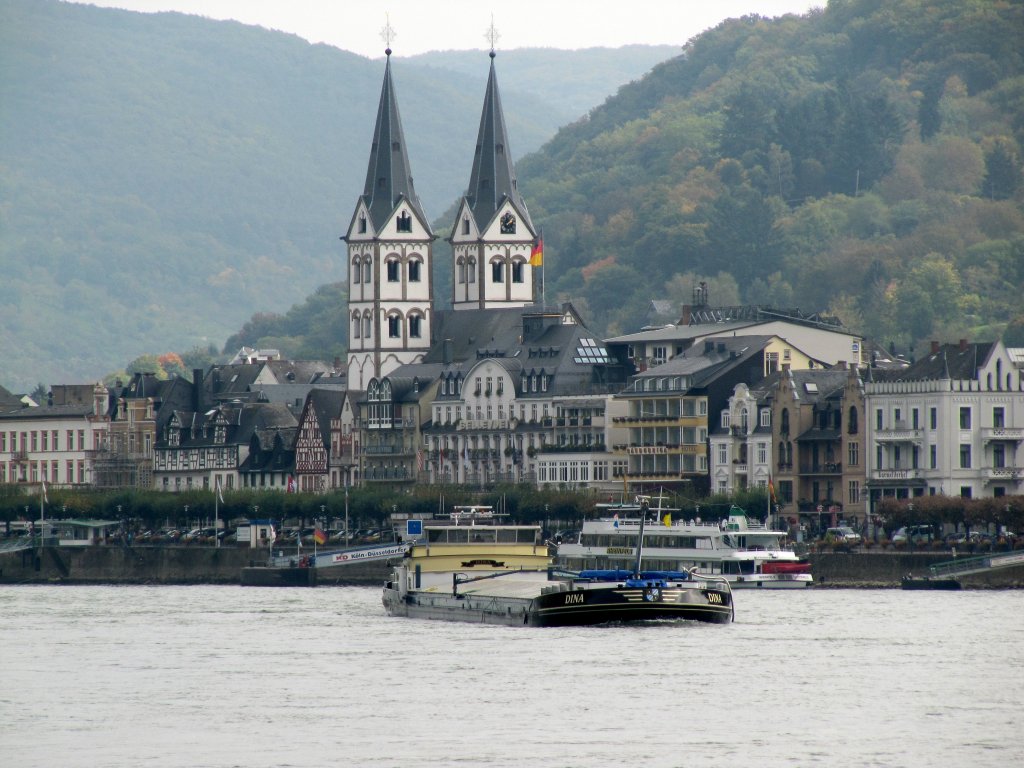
[225,676]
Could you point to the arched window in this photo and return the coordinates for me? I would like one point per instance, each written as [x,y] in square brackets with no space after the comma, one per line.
[394,327]
[368,270]
[415,322]
[356,271]
[393,270]
[367,326]
[355,326]
[462,271]
[414,270]
[851,426]
[744,419]
[999,374]
[784,427]
[471,271]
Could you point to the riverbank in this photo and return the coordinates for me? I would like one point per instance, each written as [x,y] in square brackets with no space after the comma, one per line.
[210,565]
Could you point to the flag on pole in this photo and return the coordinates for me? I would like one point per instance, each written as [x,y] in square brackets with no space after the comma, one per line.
[771,490]
[220,496]
[46,499]
[291,484]
[667,520]
[319,536]
[537,254]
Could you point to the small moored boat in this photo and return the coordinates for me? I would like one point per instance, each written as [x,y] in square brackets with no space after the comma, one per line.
[930,582]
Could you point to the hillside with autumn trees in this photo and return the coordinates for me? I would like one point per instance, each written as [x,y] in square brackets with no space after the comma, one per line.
[863,160]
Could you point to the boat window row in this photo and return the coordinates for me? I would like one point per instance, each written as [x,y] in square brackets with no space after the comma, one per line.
[629,540]
[475,534]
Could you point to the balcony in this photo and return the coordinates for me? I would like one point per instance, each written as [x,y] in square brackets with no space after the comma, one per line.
[17,456]
[740,468]
[901,433]
[822,468]
[997,434]
[996,474]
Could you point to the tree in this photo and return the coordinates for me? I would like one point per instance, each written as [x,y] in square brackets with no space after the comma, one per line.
[1013,336]
[1002,169]
[929,290]
[146,364]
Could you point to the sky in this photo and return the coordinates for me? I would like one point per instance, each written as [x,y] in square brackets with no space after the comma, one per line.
[431,25]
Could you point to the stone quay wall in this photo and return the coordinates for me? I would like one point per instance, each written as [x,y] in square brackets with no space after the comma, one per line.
[210,565]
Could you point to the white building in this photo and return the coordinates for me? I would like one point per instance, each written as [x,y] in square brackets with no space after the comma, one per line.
[55,442]
[952,423]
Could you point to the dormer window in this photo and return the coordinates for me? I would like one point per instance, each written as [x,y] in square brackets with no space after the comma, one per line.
[404,222]
[220,434]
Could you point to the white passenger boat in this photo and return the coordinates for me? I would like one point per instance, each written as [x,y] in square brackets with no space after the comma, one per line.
[473,567]
[741,550]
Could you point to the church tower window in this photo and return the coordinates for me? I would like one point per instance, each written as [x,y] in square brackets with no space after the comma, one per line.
[404,222]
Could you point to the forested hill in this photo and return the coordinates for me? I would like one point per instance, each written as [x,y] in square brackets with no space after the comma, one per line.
[864,159]
[164,177]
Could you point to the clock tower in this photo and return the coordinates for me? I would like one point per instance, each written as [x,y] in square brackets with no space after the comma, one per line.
[492,236]
[389,257]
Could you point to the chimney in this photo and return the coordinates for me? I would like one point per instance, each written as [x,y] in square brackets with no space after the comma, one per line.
[685,314]
[842,365]
[197,389]
[447,351]
[963,345]
[935,347]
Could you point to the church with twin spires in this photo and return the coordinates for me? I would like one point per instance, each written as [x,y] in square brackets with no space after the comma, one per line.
[390,242]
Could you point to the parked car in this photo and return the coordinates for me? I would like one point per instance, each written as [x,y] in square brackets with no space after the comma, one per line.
[843,535]
[956,539]
[914,534]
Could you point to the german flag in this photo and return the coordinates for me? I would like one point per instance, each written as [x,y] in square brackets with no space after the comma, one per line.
[319,536]
[537,254]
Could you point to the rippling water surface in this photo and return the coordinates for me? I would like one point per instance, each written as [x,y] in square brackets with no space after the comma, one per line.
[230,676]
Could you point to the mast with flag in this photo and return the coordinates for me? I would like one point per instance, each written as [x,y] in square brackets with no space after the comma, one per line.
[537,260]
[218,498]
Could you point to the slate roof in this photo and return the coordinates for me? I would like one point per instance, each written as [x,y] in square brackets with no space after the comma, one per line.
[389,160]
[493,178]
[497,334]
[22,412]
[951,361]
[326,404]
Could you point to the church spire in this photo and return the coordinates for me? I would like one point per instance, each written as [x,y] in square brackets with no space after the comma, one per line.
[493,178]
[388,175]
